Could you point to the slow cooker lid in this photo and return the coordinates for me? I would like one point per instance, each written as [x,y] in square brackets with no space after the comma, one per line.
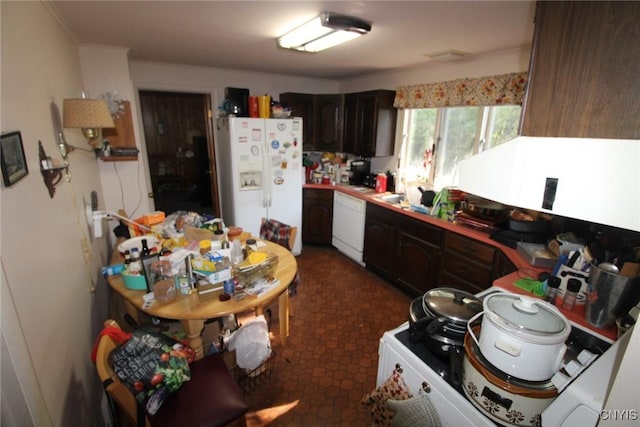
[525,313]
[452,304]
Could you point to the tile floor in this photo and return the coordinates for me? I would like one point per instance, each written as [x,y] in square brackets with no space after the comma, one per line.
[331,357]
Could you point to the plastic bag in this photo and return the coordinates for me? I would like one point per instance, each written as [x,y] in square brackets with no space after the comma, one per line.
[251,343]
[152,365]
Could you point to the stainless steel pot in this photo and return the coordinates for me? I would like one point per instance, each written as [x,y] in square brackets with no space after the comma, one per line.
[441,315]
[439,319]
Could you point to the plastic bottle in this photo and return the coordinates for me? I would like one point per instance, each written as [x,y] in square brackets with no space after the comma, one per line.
[570,295]
[127,260]
[135,265]
[236,252]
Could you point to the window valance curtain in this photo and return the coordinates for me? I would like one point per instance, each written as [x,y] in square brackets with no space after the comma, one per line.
[484,91]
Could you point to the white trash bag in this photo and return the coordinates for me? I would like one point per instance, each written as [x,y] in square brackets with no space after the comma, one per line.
[251,343]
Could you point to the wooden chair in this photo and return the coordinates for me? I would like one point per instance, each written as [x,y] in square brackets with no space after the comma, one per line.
[211,398]
[284,235]
[288,235]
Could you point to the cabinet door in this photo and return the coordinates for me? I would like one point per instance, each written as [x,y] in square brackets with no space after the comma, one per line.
[317,216]
[583,71]
[379,239]
[370,123]
[350,136]
[417,255]
[367,120]
[301,105]
[328,119]
[416,264]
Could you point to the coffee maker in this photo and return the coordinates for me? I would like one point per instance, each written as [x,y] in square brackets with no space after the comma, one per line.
[359,170]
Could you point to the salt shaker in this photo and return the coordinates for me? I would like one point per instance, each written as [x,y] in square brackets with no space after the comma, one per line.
[553,283]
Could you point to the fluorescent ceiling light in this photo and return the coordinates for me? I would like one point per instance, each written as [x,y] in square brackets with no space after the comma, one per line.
[324,31]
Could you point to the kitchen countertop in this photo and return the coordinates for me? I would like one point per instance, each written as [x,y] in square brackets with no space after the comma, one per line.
[524,269]
[369,195]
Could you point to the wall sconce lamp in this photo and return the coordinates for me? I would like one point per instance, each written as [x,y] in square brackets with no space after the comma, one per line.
[90,115]
[324,31]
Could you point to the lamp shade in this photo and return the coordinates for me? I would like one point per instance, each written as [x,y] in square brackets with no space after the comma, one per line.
[86,113]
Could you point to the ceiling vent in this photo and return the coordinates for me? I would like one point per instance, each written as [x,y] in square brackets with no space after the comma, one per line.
[447,56]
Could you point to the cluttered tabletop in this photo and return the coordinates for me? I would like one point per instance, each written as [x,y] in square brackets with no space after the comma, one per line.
[192,268]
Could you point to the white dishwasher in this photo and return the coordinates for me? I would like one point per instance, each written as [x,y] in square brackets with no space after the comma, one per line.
[348,225]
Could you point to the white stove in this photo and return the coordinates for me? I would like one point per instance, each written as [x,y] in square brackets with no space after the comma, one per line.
[421,368]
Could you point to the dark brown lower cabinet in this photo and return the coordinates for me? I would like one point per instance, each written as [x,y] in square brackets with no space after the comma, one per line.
[417,256]
[379,240]
[471,265]
[401,249]
[317,216]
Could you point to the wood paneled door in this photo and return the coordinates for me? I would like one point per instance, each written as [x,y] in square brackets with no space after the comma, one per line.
[180,151]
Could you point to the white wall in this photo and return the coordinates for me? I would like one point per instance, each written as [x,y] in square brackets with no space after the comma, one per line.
[53,299]
[172,77]
[106,70]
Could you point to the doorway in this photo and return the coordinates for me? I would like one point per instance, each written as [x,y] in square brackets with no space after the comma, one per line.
[180,151]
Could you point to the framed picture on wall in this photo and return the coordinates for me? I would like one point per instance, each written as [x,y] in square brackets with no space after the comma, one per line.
[12,160]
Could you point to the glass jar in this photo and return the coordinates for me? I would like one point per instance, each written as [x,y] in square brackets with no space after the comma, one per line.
[164,285]
[205,246]
[571,294]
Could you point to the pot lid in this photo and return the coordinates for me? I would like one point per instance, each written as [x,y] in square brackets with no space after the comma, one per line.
[452,304]
[527,314]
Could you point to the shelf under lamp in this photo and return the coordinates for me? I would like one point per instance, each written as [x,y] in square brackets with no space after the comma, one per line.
[324,31]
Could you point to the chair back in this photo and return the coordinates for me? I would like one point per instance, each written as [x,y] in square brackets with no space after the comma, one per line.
[278,232]
[115,389]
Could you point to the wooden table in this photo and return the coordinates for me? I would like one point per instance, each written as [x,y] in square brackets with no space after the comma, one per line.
[192,312]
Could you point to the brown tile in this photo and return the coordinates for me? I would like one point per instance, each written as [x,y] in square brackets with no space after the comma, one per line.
[331,357]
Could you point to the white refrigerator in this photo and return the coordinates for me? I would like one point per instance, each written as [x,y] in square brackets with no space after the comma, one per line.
[260,172]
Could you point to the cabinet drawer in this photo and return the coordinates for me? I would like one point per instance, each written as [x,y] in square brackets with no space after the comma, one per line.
[421,230]
[471,248]
[317,194]
[467,270]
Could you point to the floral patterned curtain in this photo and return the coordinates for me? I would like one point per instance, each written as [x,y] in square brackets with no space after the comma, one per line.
[493,90]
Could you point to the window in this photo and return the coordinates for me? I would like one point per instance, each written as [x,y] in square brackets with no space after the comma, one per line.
[436,139]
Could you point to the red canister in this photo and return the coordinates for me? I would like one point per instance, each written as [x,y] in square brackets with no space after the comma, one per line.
[381,183]
[253,106]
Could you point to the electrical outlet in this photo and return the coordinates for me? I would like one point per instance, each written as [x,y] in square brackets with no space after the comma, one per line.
[91,207]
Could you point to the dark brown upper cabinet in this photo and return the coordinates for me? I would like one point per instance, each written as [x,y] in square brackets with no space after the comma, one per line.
[583,71]
[321,119]
[370,123]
